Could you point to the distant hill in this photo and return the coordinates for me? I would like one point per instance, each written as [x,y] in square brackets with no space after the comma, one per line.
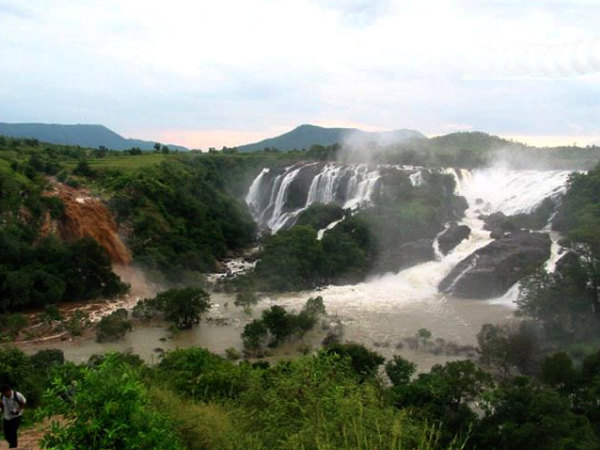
[92,136]
[306,135]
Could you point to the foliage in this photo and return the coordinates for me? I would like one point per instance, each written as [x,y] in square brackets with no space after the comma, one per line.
[364,362]
[399,370]
[316,403]
[114,326]
[280,325]
[507,347]
[522,414]
[246,299]
[291,259]
[197,373]
[180,217]
[16,369]
[183,306]
[319,215]
[444,395]
[11,325]
[110,409]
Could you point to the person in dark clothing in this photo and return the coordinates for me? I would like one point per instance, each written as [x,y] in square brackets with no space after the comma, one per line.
[12,406]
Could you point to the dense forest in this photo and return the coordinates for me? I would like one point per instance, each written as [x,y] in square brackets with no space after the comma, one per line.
[533,385]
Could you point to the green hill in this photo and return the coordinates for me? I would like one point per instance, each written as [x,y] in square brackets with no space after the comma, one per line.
[85,135]
[306,135]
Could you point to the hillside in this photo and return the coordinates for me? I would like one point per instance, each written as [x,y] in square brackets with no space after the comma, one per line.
[306,135]
[84,135]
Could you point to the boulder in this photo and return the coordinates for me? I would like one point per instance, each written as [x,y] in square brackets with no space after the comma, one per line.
[453,236]
[405,256]
[567,262]
[490,271]
[459,205]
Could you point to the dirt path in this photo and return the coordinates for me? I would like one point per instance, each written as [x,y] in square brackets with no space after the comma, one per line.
[28,438]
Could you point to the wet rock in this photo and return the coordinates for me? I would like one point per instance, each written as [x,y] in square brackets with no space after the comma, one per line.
[566,262]
[405,256]
[297,192]
[453,236]
[459,205]
[492,270]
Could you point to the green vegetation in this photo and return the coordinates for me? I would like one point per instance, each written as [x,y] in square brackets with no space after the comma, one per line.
[183,307]
[278,325]
[113,326]
[332,399]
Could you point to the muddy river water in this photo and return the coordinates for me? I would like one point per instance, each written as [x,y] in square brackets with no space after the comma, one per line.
[381,312]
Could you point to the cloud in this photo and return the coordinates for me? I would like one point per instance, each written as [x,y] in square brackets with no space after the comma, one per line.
[256,65]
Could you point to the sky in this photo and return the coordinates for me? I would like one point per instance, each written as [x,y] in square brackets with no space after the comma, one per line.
[222,73]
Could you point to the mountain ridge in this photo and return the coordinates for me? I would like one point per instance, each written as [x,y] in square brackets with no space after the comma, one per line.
[305,135]
[84,135]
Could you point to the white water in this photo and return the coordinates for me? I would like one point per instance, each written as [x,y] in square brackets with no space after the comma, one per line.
[350,186]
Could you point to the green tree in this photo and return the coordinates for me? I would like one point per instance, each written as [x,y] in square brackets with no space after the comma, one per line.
[254,335]
[279,323]
[113,326]
[184,306]
[364,361]
[522,415]
[399,370]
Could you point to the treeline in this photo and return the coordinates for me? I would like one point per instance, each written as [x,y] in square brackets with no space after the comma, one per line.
[336,398]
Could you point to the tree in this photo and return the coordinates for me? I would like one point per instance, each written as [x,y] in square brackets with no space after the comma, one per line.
[363,361]
[399,370]
[558,371]
[506,347]
[523,415]
[254,335]
[114,326]
[246,299]
[279,323]
[184,306]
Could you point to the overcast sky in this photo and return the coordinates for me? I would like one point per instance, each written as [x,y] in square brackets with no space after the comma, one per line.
[213,73]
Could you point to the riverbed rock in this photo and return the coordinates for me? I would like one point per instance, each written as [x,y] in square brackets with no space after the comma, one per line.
[490,271]
[569,261]
[459,205]
[453,236]
[405,256]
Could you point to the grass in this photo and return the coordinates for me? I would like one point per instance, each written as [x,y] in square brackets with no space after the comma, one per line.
[125,162]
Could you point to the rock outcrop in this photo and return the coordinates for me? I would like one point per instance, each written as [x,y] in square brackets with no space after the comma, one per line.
[405,256]
[452,236]
[492,270]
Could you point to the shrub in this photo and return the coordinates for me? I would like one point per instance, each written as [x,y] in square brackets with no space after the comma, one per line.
[114,326]
[109,409]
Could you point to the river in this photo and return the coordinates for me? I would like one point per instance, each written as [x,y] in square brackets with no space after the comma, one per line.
[383,312]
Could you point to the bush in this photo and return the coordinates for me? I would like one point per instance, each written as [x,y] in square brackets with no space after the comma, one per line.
[114,326]
[109,409]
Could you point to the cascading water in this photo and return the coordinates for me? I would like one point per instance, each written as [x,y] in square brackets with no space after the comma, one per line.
[276,200]
[487,191]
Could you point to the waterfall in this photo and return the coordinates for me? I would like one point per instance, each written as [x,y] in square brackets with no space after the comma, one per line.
[487,191]
[276,199]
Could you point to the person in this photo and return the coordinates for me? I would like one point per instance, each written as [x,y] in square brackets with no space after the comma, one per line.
[12,406]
